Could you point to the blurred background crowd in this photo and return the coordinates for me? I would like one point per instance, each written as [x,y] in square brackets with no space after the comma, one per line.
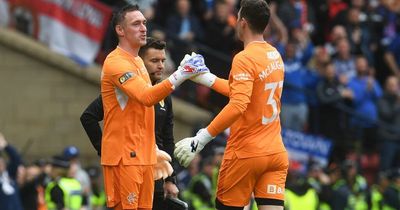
[342,71]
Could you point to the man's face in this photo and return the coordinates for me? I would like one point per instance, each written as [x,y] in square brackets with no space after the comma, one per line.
[392,85]
[362,66]
[154,60]
[133,28]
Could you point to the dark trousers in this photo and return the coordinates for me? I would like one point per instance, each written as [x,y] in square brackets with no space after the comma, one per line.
[158,201]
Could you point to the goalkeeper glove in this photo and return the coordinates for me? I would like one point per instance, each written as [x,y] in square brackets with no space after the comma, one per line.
[191,65]
[162,169]
[206,79]
[187,148]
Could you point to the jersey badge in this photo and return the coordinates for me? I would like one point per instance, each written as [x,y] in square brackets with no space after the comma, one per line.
[131,198]
[126,77]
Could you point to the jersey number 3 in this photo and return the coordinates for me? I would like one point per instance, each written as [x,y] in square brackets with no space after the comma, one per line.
[271,101]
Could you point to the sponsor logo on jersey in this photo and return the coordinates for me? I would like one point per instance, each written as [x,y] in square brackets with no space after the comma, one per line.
[273,189]
[273,55]
[242,77]
[125,77]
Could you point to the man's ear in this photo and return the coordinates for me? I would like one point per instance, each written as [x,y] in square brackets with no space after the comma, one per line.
[243,23]
[119,30]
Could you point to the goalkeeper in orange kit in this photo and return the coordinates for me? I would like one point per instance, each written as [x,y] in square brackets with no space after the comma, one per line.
[255,159]
[129,156]
[153,55]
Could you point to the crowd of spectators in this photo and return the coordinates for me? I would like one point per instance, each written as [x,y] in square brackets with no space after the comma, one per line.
[28,184]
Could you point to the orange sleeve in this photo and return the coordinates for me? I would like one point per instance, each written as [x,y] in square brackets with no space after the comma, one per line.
[221,86]
[132,84]
[146,94]
[241,87]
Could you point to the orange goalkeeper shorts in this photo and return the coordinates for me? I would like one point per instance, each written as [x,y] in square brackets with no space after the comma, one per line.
[130,184]
[264,176]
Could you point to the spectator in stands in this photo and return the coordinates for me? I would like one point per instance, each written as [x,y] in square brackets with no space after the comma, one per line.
[220,37]
[183,27]
[294,105]
[218,33]
[304,52]
[392,55]
[276,32]
[344,61]
[71,153]
[334,8]
[388,13]
[34,182]
[342,16]
[9,192]
[319,60]
[389,132]
[338,32]
[366,92]
[304,46]
[359,34]
[297,14]
[331,93]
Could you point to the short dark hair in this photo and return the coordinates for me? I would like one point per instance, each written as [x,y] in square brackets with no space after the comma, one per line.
[152,43]
[119,15]
[256,13]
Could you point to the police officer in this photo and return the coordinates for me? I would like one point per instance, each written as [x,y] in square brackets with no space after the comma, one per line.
[62,192]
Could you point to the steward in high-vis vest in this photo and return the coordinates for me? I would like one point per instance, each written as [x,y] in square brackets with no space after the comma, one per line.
[300,195]
[391,196]
[199,192]
[62,192]
[98,197]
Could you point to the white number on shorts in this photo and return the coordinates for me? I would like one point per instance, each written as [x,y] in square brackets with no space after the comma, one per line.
[271,101]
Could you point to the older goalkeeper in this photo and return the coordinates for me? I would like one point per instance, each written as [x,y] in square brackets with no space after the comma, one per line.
[128,150]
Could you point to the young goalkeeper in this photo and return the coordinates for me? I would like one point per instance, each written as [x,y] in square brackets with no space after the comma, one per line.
[255,159]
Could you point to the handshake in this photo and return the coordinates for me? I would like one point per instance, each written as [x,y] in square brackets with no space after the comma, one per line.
[192,67]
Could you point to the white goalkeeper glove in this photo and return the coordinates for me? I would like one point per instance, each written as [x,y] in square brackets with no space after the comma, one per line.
[162,169]
[187,148]
[190,66]
[206,79]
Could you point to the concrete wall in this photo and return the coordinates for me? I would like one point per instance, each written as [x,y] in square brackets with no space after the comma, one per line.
[40,106]
[42,96]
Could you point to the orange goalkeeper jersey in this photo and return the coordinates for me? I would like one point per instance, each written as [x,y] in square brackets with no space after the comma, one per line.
[128,99]
[255,87]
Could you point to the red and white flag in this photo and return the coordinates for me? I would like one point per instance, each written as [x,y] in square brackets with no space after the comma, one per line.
[74,28]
